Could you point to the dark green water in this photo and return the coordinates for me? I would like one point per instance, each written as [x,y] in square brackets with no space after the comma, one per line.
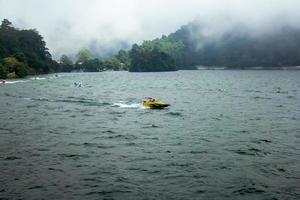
[227,135]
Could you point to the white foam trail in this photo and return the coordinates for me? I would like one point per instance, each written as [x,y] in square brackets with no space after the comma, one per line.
[12,82]
[124,105]
[37,78]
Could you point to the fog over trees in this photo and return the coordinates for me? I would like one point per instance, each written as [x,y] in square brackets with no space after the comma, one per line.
[147,36]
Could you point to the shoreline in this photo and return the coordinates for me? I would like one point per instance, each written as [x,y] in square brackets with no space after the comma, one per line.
[291,68]
[248,68]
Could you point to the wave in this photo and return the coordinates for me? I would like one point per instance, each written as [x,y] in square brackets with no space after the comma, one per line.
[82,101]
[12,158]
[175,114]
[249,190]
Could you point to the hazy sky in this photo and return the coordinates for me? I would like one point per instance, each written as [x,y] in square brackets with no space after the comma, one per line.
[69,25]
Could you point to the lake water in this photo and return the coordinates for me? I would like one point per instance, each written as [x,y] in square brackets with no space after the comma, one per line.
[227,135]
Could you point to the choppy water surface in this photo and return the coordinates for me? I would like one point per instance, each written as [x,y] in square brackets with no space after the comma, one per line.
[227,135]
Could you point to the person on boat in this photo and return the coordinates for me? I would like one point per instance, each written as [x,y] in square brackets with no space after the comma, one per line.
[3,81]
[78,84]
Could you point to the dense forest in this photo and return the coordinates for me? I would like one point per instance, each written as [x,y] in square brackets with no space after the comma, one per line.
[189,47]
[86,63]
[158,55]
[23,52]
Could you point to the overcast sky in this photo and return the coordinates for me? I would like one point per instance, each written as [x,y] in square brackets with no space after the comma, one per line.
[70,25]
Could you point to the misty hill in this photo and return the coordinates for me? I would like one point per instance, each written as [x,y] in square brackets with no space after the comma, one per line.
[238,47]
[23,52]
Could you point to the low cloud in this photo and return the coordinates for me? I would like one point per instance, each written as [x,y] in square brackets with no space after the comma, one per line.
[108,25]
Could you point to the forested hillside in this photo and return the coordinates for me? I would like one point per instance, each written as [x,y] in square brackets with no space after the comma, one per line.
[23,52]
[235,48]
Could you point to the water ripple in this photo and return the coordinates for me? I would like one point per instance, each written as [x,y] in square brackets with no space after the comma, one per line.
[240,140]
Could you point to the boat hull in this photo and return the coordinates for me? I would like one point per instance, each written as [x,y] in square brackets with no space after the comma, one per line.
[155,105]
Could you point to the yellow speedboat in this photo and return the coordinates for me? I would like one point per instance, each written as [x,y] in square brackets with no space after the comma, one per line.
[154,104]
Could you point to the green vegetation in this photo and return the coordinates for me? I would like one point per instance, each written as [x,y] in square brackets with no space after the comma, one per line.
[13,68]
[150,59]
[86,63]
[23,52]
[238,48]
[189,47]
[84,55]
[66,64]
[158,55]
[123,58]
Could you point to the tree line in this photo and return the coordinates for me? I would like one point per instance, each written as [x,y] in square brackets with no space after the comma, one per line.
[24,52]
[239,48]
[86,63]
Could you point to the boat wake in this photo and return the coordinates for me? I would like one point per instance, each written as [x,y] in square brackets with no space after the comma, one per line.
[37,78]
[13,82]
[23,81]
[123,104]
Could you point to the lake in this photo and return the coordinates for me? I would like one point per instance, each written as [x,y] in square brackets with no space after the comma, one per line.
[228,134]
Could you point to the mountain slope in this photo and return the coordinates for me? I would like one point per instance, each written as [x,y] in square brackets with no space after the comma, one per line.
[237,47]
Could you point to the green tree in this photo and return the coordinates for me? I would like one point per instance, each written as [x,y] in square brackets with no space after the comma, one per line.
[3,72]
[93,65]
[66,64]
[149,58]
[6,25]
[13,65]
[65,60]
[123,57]
[83,56]
[28,47]
[21,70]
[8,39]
